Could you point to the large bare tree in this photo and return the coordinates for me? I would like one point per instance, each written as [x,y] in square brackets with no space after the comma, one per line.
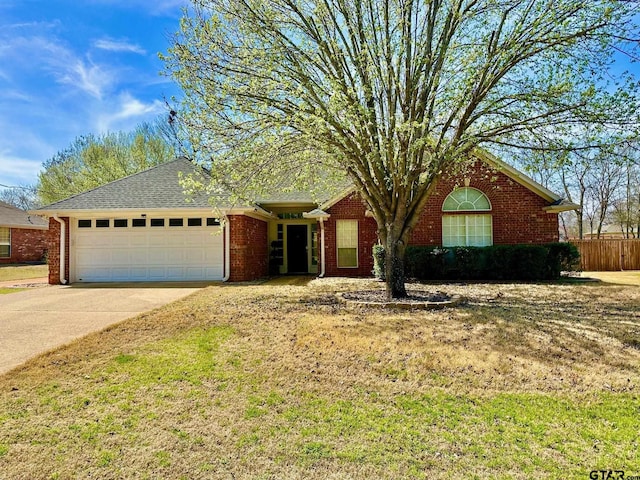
[388,92]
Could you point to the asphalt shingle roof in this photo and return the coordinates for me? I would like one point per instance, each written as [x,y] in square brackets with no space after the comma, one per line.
[158,187]
[13,217]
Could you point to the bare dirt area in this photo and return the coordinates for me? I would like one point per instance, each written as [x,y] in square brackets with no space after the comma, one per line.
[281,381]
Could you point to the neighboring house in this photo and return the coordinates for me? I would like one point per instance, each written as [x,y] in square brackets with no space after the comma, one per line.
[23,237]
[608,232]
[142,228]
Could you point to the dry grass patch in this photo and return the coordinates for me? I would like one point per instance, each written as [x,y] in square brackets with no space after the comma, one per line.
[279,381]
[628,277]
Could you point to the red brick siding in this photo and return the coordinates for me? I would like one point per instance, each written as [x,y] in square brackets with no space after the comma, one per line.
[249,256]
[27,245]
[517,215]
[351,207]
[54,251]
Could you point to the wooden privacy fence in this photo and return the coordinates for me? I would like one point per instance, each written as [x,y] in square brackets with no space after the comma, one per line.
[609,255]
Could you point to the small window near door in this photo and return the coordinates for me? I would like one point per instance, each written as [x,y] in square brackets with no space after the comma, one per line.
[102,223]
[139,222]
[84,223]
[121,223]
[176,222]
[212,222]
[347,243]
[157,222]
[194,222]
[5,242]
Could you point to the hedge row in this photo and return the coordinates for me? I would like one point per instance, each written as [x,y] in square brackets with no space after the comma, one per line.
[497,262]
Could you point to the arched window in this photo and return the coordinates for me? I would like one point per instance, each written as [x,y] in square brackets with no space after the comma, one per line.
[466,199]
[468,229]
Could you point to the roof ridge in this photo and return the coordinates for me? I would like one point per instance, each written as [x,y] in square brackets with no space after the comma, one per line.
[181,158]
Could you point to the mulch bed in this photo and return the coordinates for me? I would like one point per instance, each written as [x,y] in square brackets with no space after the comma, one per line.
[380,296]
[415,300]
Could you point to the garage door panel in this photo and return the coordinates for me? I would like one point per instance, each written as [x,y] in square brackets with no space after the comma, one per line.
[121,257]
[138,273]
[194,255]
[155,256]
[146,254]
[121,272]
[157,273]
[95,274]
[118,240]
[177,239]
[137,240]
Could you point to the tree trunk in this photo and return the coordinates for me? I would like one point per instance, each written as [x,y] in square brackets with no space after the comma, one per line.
[394,267]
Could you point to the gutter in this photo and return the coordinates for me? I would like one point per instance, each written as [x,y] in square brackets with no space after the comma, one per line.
[319,215]
[322,263]
[227,249]
[63,247]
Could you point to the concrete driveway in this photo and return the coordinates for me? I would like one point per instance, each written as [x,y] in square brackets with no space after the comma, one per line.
[40,319]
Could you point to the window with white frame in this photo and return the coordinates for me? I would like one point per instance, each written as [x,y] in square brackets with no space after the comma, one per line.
[472,229]
[347,243]
[5,242]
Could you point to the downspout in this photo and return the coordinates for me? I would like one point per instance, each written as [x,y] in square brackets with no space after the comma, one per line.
[322,264]
[63,248]
[227,249]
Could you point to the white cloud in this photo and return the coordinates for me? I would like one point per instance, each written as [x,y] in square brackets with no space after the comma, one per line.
[118,46]
[158,7]
[86,76]
[59,61]
[129,112]
[34,25]
[14,94]
[17,170]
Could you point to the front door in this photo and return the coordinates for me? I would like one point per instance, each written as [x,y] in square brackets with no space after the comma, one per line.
[297,249]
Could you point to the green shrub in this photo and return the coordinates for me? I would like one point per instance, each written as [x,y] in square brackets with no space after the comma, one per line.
[497,262]
[563,257]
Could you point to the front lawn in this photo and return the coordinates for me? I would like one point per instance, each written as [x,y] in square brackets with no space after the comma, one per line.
[22,272]
[627,277]
[279,381]
[4,291]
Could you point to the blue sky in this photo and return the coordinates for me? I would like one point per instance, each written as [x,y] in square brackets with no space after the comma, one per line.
[72,67]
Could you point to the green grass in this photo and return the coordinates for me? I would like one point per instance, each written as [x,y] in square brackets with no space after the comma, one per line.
[22,272]
[247,382]
[4,291]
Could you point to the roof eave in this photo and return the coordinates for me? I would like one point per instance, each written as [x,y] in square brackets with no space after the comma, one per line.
[517,176]
[25,227]
[332,201]
[317,214]
[563,207]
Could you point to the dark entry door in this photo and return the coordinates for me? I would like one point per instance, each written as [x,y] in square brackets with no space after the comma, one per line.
[297,249]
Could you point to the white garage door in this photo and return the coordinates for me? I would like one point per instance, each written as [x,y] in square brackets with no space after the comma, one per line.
[154,249]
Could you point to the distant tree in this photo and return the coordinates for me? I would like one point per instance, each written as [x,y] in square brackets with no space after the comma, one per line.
[22,196]
[626,207]
[601,179]
[389,92]
[91,160]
